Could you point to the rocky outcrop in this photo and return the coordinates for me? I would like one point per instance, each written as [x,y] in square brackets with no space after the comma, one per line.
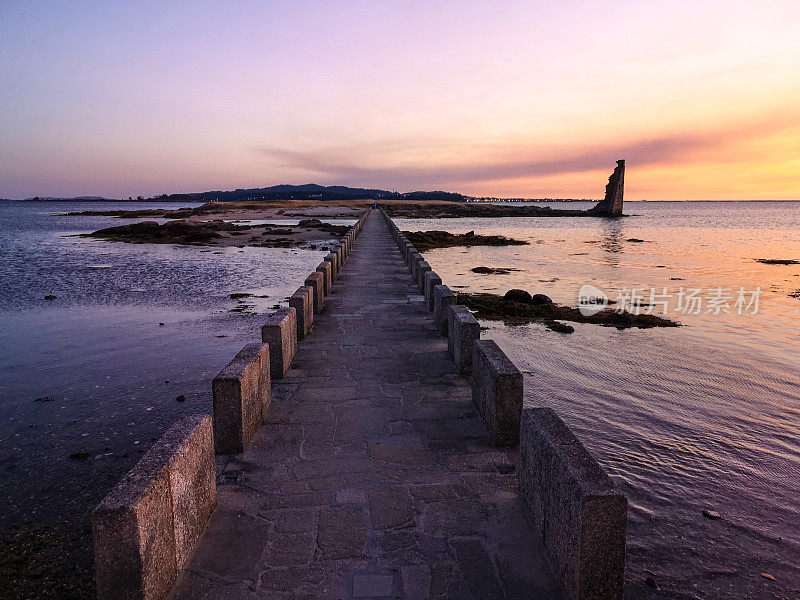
[611,205]
[426,240]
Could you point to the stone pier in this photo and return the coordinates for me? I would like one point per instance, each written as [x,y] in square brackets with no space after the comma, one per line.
[354,461]
[372,474]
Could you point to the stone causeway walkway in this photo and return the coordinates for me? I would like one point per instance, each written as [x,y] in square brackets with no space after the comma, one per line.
[372,475]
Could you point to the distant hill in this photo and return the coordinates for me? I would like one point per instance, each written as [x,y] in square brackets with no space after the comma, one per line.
[309,191]
[75,199]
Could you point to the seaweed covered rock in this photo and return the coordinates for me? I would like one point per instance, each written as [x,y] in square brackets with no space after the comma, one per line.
[516,295]
[172,232]
[523,297]
[493,270]
[500,308]
[427,240]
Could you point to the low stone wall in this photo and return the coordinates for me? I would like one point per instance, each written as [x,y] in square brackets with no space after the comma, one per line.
[574,507]
[242,394]
[462,332]
[497,392]
[146,528]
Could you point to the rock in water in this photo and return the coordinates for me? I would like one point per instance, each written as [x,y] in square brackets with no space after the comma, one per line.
[539,299]
[516,295]
[559,327]
[711,514]
[611,205]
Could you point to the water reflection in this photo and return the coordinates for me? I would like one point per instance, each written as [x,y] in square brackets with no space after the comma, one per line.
[611,241]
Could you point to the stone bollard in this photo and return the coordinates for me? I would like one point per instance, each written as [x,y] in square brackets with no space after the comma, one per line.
[497,392]
[302,301]
[144,531]
[340,258]
[280,332]
[327,277]
[443,298]
[242,393]
[422,268]
[416,261]
[573,506]
[462,331]
[430,280]
[331,258]
[317,283]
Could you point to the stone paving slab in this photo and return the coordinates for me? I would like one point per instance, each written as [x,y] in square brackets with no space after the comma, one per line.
[372,475]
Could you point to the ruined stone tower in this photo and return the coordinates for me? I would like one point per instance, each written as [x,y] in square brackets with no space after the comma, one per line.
[611,205]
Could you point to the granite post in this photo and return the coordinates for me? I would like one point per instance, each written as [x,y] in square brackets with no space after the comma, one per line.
[242,393]
[497,389]
[462,331]
[303,303]
[443,298]
[280,332]
[574,508]
[317,282]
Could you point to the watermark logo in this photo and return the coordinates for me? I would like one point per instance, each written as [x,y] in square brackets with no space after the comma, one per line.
[591,300]
[684,300]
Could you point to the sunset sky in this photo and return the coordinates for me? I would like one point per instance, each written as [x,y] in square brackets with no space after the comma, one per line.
[502,98]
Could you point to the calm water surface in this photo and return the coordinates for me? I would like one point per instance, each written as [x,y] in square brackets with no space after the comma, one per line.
[705,416]
[132,328]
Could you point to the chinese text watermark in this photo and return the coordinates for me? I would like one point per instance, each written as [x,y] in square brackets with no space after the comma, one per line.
[684,300]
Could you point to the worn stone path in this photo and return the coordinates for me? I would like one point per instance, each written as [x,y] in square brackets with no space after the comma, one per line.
[372,476]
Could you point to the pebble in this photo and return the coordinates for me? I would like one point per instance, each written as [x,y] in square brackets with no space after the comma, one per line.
[181,398]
